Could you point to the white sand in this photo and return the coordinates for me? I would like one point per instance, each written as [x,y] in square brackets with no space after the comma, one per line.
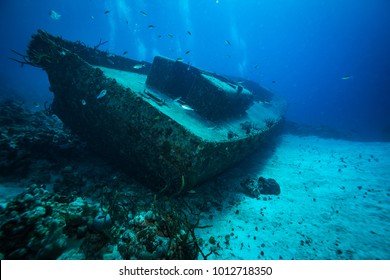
[320,214]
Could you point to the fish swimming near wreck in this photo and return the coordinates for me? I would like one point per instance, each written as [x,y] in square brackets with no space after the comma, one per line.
[346,77]
[186,107]
[54,15]
[139,66]
[102,94]
[35,104]
[182,104]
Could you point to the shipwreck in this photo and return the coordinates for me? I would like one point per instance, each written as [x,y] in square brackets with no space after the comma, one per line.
[170,125]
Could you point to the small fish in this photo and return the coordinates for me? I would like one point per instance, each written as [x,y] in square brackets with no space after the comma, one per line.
[139,66]
[102,94]
[151,26]
[186,107]
[191,192]
[92,17]
[189,33]
[347,77]
[107,12]
[227,42]
[143,13]
[171,35]
[54,15]
[35,104]
[180,59]
[159,36]
[125,52]
[187,52]
[83,102]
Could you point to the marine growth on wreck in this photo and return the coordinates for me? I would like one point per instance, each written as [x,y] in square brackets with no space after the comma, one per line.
[171,125]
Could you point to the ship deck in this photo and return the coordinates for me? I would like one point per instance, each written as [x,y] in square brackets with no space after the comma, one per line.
[213,131]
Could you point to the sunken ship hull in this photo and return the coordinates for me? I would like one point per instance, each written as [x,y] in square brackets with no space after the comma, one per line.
[170,125]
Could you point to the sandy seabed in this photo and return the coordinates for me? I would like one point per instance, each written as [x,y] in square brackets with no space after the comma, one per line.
[334,203]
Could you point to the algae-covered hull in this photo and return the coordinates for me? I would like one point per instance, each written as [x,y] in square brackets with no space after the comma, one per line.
[169,124]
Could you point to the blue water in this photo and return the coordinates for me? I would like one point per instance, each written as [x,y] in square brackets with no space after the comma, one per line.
[298,49]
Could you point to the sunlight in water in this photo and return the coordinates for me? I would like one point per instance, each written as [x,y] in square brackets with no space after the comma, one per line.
[141,55]
[124,10]
[113,26]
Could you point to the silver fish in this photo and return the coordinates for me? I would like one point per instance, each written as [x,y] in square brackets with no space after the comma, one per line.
[102,94]
[347,77]
[139,66]
[186,107]
[54,15]
[35,104]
